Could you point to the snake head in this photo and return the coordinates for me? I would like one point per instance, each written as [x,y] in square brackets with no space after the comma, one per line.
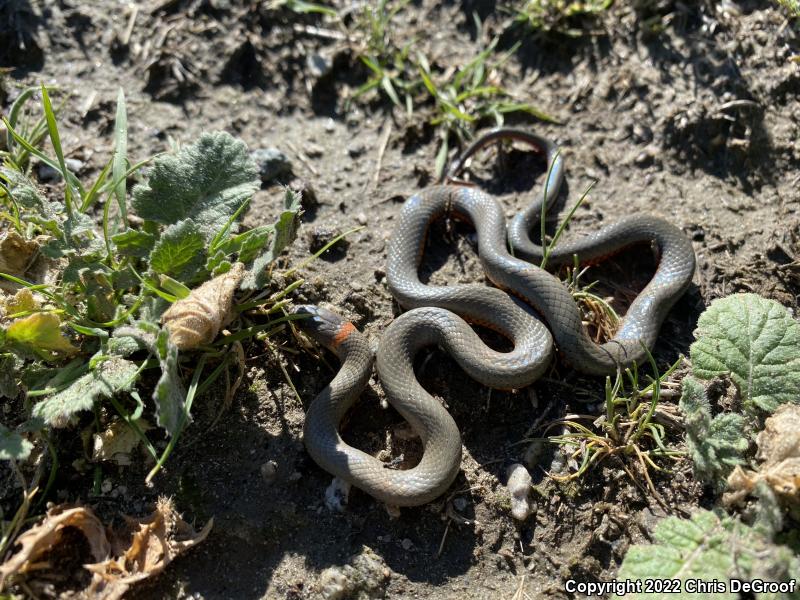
[325,326]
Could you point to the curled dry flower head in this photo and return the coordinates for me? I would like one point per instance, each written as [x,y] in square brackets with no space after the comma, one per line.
[198,318]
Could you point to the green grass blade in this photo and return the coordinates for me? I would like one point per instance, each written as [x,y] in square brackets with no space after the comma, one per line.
[88,199]
[222,233]
[40,155]
[426,80]
[55,139]
[13,113]
[386,83]
[441,158]
[509,107]
[321,251]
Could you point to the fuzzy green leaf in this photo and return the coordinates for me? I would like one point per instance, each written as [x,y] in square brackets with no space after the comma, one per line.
[133,242]
[248,244]
[13,445]
[34,205]
[285,230]
[169,395]
[707,547]
[755,341]
[110,376]
[180,252]
[206,181]
[717,444]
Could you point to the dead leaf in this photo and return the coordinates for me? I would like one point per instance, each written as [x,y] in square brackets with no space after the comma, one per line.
[779,453]
[198,318]
[155,542]
[116,443]
[142,549]
[21,301]
[41,539]
[16,253]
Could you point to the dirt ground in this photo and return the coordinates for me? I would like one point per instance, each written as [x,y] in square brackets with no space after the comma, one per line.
[696,121]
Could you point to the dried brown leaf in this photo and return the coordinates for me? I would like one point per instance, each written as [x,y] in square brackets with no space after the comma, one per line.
[16,253]
[198,318]
[42,538]
[779,453]
[144,548]
[155,542]
[117,441]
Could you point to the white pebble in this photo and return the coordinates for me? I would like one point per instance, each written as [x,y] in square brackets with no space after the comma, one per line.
[336,495]
[519,486]
[269,470]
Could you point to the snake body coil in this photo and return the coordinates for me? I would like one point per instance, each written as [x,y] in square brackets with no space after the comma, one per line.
[432,321]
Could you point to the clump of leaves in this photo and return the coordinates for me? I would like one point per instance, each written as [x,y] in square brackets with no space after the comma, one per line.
[779,461]
[716,444]
[756,343]
[83,323]
[120,558]
[559,16]
[706,547]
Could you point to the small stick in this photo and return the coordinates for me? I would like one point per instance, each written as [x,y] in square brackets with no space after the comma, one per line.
[303,158]
[444,537]
[126,35]
[384,142]
[328,34]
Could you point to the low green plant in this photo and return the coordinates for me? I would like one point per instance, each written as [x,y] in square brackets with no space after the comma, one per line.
[628,431]
[707,547]
[755,342]
[392,71]
[716,443]
[559,16]
[90,281]
[469,98]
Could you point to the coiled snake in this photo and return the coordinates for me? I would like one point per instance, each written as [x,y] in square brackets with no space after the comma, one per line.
[440,315]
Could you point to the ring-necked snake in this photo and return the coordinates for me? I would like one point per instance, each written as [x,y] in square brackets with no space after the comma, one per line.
[439,315]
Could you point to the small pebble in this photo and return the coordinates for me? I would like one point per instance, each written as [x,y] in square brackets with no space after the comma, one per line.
[356,150]
[269,470]
[407,544]
[361,218]
[271,163]
[519,486]
[106,486]
[534,453]
[73,164]
[318,65]
[48,173]
[313,150]
[460,504]
[320,236]
[330,125]
[337,495]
